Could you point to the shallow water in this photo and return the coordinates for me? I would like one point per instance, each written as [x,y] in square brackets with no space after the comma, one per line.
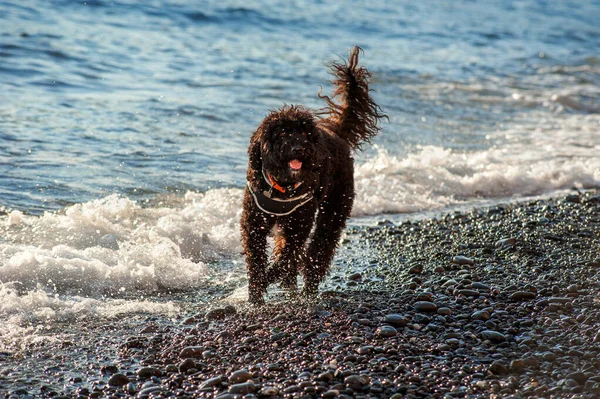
[124,126]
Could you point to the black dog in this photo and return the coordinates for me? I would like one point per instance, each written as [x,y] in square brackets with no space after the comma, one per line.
[300,176]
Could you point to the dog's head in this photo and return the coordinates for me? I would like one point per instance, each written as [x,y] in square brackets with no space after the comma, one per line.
[286,142]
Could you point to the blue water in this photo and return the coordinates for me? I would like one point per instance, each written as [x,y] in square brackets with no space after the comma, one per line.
[154,97]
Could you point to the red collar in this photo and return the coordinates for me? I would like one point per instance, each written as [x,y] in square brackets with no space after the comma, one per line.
[273,183]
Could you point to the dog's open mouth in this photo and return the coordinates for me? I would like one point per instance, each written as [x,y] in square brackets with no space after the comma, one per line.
[295,164]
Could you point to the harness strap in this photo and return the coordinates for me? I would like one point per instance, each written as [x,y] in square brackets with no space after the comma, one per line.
[278,207]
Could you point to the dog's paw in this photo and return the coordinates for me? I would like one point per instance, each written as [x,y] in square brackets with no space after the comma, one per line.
[256,299]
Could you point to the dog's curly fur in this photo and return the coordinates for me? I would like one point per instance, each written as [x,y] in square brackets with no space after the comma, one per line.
[323,142]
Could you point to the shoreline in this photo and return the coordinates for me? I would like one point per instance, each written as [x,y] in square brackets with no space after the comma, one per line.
[495,302]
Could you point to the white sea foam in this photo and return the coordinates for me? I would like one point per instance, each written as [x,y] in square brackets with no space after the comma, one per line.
[553,154]
[28,318]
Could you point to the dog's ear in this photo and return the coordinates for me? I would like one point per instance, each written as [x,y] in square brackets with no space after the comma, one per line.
[254,155]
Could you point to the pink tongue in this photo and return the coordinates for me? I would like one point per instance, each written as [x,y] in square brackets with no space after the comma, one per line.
[295,164]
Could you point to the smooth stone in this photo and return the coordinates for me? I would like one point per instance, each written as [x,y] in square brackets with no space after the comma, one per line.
[220,313]
[268,391]
[118,380]
[356,382]
[578,376]
[517,366]
[355,277]
[480,315]
[238,376]
[332,393]
[191,351]
[186,365]
[396,320]
[243,388]
[148,372]
[498,368]
[444,311]
[480,286]
[493,336]
[463,260]
[386,331]
[506,242]
[425,306]
[212,382]
[520,295]
[471,293]
[149,390]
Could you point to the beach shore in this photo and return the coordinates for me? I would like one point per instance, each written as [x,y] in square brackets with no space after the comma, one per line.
[499,302]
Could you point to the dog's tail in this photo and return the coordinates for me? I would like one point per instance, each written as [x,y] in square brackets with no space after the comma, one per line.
[356,118]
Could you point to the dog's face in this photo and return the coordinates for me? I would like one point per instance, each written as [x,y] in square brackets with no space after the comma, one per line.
[288,141]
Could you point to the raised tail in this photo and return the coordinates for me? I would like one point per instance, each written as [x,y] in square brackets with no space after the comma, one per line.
[356,118]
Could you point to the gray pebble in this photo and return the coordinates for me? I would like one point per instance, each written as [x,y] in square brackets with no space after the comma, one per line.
[425,306]
[191,351]
[212,382]
[243,388]
[480,315]
[463,260]
[118,380]
[521,295]
[493,336]
[386,331]
[238,376]
[396,320]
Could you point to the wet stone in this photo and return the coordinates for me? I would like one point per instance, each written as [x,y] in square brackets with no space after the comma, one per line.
[498,368]
[386,331]
[469,293]
[480,315]
[191,352]
[186,365]
[480,286]
[425,306]
[521,295]
[517,366]
[148,372]
[238,376]
[118,379]
[243,388]
[463,260]
[444,311]
[506,242]
[396,320]
[268,391]
[356,382]
[212,382]
[493,336]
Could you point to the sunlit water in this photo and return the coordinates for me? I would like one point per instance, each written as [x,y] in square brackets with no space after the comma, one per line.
[124,127]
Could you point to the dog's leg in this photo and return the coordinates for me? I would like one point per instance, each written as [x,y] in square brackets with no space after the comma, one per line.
[289,253]
[255,229]
[331,220]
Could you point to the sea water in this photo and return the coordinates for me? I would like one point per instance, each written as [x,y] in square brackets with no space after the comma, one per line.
[124,127]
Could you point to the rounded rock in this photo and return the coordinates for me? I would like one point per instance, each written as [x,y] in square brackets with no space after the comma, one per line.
[239,376]
[396,320]
[118,380]
[191,351]
[493,336]
[463,260]
[425,306]
[386,331]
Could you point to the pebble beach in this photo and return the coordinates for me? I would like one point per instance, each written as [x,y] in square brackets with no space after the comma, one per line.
[497,302]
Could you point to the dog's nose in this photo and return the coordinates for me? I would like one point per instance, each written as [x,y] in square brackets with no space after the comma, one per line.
[297,150]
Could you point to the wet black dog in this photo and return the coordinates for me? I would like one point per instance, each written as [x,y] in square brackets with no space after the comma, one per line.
[300,176]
